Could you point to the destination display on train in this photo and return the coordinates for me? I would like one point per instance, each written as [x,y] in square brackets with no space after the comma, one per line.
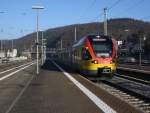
[99,39]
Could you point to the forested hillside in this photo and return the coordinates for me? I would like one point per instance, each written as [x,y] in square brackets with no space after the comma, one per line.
[120,28]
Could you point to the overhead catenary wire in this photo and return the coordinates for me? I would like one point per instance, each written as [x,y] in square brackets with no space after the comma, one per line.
[89,7]
[109,8]
[96,17]
[135,5]
[105,15]
[131,7]
[114,4]
[82,15]
[102,13]
[86,10]
[146,17]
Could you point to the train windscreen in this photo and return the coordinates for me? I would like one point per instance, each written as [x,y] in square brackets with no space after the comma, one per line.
[102,46]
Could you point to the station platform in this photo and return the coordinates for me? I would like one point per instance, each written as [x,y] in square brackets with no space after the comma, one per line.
[53,92]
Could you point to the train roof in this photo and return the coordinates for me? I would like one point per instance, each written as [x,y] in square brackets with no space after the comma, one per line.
[82,40]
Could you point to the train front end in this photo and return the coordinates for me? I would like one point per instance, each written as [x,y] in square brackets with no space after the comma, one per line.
[101,51]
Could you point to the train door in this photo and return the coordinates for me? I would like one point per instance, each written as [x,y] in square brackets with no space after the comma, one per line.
[86,57]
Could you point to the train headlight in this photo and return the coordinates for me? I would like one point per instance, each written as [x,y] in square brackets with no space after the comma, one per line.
[112,61]
[95,61]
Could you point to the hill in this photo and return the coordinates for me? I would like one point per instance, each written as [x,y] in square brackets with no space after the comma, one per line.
[119,28]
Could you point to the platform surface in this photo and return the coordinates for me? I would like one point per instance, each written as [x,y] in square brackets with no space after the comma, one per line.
[52,92]
[56,91]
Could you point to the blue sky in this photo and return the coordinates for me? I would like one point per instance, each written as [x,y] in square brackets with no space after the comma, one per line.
[19,19]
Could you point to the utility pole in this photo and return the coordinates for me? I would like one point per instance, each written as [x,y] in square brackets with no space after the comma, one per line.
[126,39]
[75,34]
[42,49]
[140,46]
[12,46]
[1,45]
[61,44]
[105,21]
[140,51]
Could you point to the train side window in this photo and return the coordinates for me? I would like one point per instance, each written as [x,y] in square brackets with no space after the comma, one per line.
[86,54]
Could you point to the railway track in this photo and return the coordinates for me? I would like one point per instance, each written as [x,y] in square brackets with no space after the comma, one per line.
[133,92]
[5,66]
[140,74]
[146,82]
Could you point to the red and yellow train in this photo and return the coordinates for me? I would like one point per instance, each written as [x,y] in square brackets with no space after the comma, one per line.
[92,55]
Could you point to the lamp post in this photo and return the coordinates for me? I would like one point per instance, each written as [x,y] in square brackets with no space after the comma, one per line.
[1,12]
[37,8]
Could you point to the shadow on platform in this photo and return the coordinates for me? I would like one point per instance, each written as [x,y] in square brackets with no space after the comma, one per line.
[48,65]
